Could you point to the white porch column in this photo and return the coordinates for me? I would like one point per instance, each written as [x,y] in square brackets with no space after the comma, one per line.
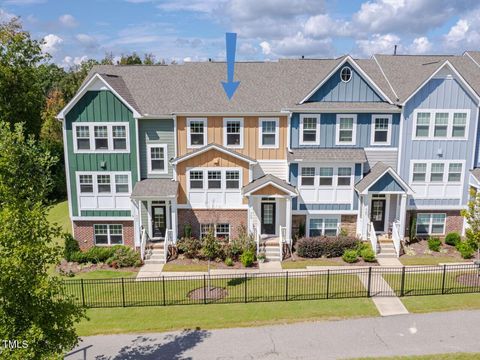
[288,219]
[365,216]
[136,222]
[173,217]
[250,215]
[403,215]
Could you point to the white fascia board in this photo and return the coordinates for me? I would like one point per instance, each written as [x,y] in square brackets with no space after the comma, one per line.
[358,69]
[395,176]
[291,193]
[85,88]
[212,147]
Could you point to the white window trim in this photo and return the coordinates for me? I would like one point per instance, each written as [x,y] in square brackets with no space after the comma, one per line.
[431,127]
[354,130]
[165,160]
[95,192]
[225,120]
[428,172]
[316,178]
[316,181]
[431,224]
[109,241]
[223,187]
[317,134]
[322,216]
[215,228]
[109,126]
[205,131]
[260,133]
[389,130]
[351,74]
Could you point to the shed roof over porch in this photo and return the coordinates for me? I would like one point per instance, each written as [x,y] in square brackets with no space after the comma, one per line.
[155,188]
[382,178]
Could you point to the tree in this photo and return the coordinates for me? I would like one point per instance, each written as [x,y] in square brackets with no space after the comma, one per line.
[472,216]
[132,59]
[33,305]
[21,96]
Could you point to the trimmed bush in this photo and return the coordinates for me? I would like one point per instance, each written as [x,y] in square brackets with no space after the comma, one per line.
[465,250]
[247,258]
[434,244]
[316,247]
[350,256]
[124,257]
[211,247]
[367,254]
[71,247]
[452,238]
[229,261]
[189,246]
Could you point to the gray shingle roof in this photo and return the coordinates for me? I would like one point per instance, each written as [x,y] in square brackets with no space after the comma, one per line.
[476,173]
[375,172]
[213,146]
[155,188]
[265,179]
[346,106]
[118,84]
[331,154]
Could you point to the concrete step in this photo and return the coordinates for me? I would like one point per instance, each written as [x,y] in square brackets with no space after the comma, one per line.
[154,261]
[386,256]
[157,257]
[157,251]
[156,245]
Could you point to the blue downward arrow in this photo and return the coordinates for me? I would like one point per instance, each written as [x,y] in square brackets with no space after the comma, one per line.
[230,86]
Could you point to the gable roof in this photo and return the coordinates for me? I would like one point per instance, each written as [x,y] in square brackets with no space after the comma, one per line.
[266,180]
[379,170]
[213,146]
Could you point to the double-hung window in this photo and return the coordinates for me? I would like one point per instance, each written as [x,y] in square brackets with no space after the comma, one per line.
[232,179]
[459,125]
[157,159]
[440,129]
[419,172]
[344,176]
[308,176]
[431,224]
[436,172]
[222,231]
[86,184]
[103,184]
[214,179]
[268,132]
[309,129]
[323,227]
[233,133]
[422,129]
[196,132]
[83,137]
[101,137]
[121,183]
[441,124]
[381,129]
[326,176]
[119,134]
[205,229]
[454,172]
[196,179]
[346,129]
[108,234]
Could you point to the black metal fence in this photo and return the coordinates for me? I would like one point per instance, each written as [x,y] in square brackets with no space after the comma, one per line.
[281,286]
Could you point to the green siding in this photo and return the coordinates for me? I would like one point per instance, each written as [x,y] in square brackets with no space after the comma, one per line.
[100,106]
[156,131]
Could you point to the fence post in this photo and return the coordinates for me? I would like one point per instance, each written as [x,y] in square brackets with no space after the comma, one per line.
[402,284]
[83,293]
[328,282]
[286,286]
[369,281]
[245,289]
[163,291]
[204,289]
[123,292]
[443,278]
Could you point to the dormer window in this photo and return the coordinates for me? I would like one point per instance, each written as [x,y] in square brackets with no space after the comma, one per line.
[346,74]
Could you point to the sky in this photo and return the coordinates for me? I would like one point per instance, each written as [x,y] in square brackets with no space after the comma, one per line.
[194,30]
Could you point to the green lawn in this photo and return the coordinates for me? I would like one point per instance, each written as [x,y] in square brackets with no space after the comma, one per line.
[104,274]
[59,215]
[452,356]
[172,267]
[428,260]
[157,319]
[302,264]
[423,304]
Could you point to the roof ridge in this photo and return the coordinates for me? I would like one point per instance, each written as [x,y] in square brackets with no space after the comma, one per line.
[385,76]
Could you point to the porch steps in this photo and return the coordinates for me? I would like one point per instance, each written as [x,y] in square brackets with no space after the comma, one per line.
[155,253]
[271,247]
[386,248]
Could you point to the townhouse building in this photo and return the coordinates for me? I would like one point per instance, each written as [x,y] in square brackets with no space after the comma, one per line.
[351,146]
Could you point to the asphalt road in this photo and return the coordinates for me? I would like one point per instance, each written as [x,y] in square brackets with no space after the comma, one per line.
[381,336]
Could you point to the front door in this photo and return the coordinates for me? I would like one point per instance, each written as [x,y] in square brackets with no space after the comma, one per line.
[377,216]
[268,218]
[159,221]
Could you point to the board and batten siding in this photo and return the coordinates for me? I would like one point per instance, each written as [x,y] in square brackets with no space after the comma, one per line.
[357,89]
[156,131]
[328,124]
[251,146]
[439,93]
[100,106]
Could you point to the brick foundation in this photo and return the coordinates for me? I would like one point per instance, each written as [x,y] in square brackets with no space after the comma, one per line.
[83,232]
[194,218]
[453,223]
[349,223]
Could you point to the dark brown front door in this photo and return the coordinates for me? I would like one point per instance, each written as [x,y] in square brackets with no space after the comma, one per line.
[159,221]
[377,214]
[268,218]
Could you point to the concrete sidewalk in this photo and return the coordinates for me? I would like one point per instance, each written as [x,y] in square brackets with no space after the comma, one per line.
[413,334]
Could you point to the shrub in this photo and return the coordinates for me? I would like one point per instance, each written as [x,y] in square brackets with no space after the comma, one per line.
[189,246]
[350,256]
[124,256]
[187,231]
[452,238]
[465,250]
[247,258]
[434,243]
[71,247]
[343,232]
[245,240]
[229,261]
[232,250]
[325,246]
[211,247]
[367,254]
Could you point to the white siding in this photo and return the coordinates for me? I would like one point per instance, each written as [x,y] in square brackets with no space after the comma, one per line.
[277,168]
[388,157]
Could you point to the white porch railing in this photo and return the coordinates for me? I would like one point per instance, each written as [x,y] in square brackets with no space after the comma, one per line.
[396,236]
[143,243]
[282,240]
[256,237]
[168,241]
[372,236]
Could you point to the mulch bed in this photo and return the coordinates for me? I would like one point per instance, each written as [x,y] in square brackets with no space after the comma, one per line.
[181,260]
[469,279]
[420,247]
[66,267]
[338,260]
[212,293]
